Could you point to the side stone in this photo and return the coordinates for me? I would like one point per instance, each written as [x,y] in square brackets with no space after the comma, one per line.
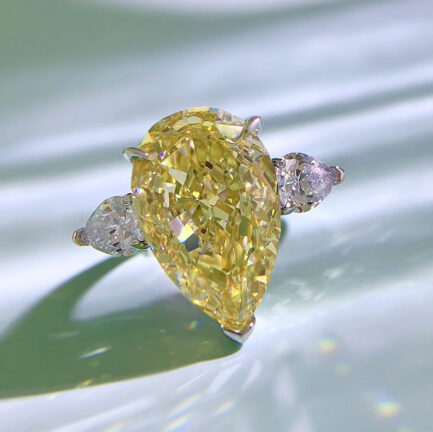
[113,228]
[303,182]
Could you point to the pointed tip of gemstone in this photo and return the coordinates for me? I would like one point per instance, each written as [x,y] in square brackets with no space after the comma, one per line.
[240,336]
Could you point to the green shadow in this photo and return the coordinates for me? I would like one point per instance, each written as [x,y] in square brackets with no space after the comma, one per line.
[49,351]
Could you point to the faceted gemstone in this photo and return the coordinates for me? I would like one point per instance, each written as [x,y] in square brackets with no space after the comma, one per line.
[113,228]
[303,182]
[206,201]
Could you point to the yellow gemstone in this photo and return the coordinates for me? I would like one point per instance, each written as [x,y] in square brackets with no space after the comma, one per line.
[206,201]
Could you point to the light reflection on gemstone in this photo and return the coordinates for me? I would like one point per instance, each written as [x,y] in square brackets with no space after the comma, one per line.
[303,182]
[209,209]
[113,228]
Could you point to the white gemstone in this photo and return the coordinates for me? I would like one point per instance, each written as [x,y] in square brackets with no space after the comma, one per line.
[113,227]
[303,182]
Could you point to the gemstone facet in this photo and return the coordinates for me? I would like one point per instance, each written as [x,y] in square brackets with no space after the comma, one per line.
[303,182]
[207,204]
[113,228]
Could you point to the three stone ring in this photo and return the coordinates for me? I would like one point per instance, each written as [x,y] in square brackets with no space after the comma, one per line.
[207,199]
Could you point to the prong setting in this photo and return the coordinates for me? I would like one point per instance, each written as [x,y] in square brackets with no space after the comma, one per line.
[140,244]
[79,237]
[126,200]
[240,336]
[277,162]
[134,153]
[295,183]
[339,174]
[254,124]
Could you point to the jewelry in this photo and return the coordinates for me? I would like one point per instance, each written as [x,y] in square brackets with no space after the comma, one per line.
[207,199]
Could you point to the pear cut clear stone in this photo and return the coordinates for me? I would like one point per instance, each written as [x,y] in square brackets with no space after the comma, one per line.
[303,182]
[113,228]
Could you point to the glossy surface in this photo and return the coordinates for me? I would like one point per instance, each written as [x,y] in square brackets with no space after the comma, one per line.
[303,182]
[206,201]
[113,228]
[343,340]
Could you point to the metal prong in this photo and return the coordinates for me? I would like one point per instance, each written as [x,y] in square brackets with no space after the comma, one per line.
[79,237]
[134,153]
[287,210]
[240,336]
[254,124]
[338,173]
[126,200]
[140,244]
[276,161]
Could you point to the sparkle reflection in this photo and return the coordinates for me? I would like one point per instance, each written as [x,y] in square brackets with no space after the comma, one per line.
[224,407]
[84,384]
[95,352]
[193,325]
[184,405]
[115,428]
[387,408]
[177,423]
[327,345]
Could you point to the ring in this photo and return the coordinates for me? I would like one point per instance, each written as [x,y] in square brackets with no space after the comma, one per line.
[207,199]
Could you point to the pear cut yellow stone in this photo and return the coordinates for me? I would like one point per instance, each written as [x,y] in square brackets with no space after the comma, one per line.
[206,201]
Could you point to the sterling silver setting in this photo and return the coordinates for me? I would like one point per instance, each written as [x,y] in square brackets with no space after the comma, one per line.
[302,182]
[240,336]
